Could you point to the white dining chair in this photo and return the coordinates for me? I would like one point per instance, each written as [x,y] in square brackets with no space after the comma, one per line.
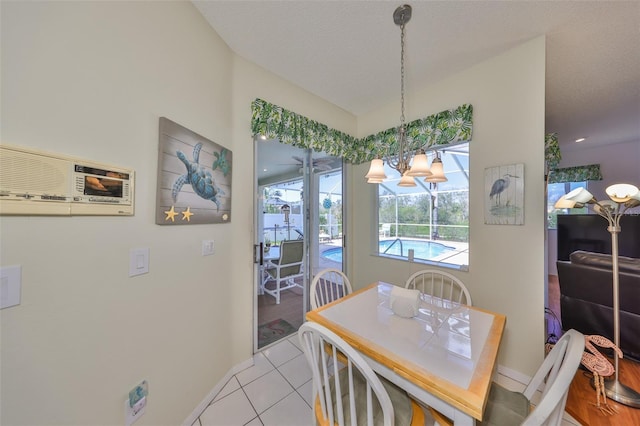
[554,377]
[329,285]
[439,284]
[351,393]
[444,286]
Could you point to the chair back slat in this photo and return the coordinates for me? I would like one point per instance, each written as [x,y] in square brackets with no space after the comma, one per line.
[337,384]
[328,285]
[440,284]
[555,374]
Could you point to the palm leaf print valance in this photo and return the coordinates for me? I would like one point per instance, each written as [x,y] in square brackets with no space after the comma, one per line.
[552,157]
[576,174]
[445,128]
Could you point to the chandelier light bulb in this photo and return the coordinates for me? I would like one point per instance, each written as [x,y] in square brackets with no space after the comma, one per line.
[420,165]
[376,171]
[407,180]
[437,172]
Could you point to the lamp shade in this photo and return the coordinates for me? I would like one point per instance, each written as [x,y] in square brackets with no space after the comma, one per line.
[437,172]
[420,165]
[609,205]
[375,180]
[563,203]
[376,170]
[621,192]
[634,201]
[579,195]
[407,180]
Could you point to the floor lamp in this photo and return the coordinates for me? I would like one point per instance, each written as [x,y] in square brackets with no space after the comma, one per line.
[622,197]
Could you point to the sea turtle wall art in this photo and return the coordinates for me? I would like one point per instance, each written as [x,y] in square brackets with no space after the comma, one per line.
[194,178]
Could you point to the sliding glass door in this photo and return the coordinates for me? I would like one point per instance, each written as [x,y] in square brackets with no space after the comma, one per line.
[299,206]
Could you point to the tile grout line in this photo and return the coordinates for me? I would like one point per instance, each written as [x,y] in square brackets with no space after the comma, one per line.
[252,406]
[285,379]
[301,396]
[242,386]
[293,388]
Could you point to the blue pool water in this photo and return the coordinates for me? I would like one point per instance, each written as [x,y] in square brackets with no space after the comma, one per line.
[421,249]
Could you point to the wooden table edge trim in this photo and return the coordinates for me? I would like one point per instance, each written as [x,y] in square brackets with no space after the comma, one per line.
[467,400]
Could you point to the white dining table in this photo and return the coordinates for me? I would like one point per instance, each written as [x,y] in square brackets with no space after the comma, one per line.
[444,357]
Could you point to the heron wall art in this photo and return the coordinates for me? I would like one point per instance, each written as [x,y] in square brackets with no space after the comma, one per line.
[504,195]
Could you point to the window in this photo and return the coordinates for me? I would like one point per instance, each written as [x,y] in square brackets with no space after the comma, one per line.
[554,192]
[429,222]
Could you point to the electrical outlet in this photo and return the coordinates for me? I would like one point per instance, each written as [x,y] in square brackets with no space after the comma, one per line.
[135,404]
[208,247]
[132,414]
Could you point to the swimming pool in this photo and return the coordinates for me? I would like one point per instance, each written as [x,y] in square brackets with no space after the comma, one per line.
[422,249]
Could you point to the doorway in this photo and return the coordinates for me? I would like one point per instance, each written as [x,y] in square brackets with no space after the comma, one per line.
[298,207]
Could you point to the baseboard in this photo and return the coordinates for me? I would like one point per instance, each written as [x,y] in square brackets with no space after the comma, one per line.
[514,375]
[216,389]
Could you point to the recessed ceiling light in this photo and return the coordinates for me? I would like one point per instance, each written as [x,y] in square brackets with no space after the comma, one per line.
[580,139]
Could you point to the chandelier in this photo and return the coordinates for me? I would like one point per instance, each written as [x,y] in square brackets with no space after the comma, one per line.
[402,162]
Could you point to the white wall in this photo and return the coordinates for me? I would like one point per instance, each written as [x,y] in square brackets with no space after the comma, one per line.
[506,265]
[91,79]
[619,163]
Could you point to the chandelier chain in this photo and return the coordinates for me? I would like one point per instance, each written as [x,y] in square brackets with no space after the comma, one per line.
[402,75]
[402,157]
[401,162]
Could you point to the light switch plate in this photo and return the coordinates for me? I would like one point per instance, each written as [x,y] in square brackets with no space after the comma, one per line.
[10,286]
[138,261]
[208,247]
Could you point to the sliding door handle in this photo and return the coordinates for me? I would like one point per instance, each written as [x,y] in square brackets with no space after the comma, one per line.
[258,254]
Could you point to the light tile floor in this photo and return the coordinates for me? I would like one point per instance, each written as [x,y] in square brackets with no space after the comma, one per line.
[276,391]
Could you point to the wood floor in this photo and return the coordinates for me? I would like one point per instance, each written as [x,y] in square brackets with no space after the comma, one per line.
[582,396]
[290,308]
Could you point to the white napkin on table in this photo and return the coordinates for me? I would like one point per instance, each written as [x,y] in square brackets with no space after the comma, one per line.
[405,302]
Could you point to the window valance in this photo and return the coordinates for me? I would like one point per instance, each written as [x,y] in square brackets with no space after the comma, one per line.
[576,174]
[552,155]
[445,128]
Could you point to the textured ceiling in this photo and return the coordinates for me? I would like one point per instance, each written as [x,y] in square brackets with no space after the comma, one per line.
[348,52]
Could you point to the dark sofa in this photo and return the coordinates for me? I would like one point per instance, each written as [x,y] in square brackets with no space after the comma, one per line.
[586,297]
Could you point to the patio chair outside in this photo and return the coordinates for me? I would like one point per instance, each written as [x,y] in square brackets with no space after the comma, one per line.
[284,270]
